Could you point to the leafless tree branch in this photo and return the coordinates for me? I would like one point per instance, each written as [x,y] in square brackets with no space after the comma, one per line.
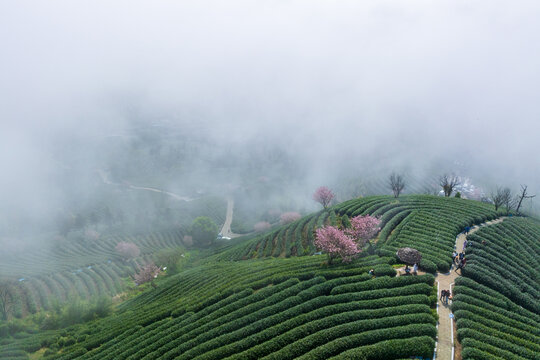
[397,184]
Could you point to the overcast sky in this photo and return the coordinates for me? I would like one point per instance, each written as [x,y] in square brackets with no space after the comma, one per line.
[414,79]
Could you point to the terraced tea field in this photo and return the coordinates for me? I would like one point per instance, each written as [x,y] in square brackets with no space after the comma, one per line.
[101,274]
[497,301]
[264,297]
[64,268]
[427,223]
[293,308]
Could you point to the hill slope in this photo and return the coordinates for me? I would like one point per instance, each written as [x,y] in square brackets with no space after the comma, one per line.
[297,306]
[497,300]
[427,223]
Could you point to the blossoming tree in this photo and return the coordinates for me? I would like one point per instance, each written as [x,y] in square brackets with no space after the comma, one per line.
[336,243]
[147,273]
[363,228]
[127,250]
[262,226]
[324,196]
[289,217]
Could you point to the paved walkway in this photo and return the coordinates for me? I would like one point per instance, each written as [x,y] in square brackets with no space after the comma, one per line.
[226,229]
[447,331]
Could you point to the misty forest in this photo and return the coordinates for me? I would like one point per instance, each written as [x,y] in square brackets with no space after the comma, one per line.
[269,180]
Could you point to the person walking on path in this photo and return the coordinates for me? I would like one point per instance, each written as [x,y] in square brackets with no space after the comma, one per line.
[464,244]
[415,269]
[443,294]
[461,265]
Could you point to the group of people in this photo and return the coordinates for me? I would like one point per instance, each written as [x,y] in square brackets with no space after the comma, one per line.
[414,269]
[445,295]
[459,258]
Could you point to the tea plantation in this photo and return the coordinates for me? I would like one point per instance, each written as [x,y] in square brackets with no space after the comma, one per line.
[269,296]
[497,301]
[424,222]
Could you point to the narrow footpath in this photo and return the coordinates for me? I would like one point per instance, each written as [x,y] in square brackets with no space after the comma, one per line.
[105,178]
[447,346]
[226,228]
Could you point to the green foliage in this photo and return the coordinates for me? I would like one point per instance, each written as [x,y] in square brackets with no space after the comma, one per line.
[74,312]
[393,349]
[345,222]
[496,301]
[384,270]
[427,266]
[204,231]
[292,307]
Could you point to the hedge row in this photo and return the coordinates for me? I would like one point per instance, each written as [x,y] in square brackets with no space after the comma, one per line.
[361,332]
[496,302]
[421,346]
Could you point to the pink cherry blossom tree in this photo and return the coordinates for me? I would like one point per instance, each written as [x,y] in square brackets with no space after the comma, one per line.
[335,243]
[363,228]
[261,226]
[289,217]
[147,273]
[324,196]
[127,250]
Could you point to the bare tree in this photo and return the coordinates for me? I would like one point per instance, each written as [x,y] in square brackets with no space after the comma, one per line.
[448,183]
[397,184]
[507,199]
[6,299]
[497,197]
[522,196]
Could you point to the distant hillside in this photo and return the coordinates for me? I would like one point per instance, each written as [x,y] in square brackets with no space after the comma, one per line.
[428,223]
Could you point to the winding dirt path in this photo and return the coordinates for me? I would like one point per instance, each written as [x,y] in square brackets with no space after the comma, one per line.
[226,228]
[178,197]
[105,178]
[447,343]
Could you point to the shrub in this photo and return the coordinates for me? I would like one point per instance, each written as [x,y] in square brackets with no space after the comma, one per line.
[384,270]
[169,258]
[443,266]
[49,352]
[428,266]
[204,231]
[4,331]
[345,222]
